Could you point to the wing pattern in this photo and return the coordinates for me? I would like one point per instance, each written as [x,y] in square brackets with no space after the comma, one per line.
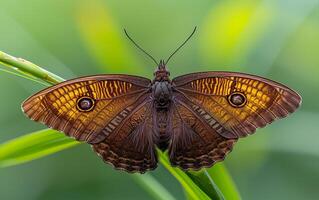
[56,106]
[266,100]
[194,144]
[131,146]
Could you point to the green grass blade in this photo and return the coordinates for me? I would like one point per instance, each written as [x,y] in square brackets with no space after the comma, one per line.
[206,183]
[31,78]
[219,194]
[28,68]
[193,191]
[223,180]
[153,187]
[33,146]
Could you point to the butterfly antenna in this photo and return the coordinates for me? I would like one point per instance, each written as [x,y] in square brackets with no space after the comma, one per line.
[140,48]
[189,37]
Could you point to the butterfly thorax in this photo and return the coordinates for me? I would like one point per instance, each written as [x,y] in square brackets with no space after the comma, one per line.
[162,93]
[162,89]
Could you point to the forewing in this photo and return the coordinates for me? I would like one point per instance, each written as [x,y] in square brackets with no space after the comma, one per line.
[114,98]
[194,144]
[131,147]
[209,94]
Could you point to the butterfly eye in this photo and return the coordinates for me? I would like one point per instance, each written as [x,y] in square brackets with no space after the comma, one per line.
[85,104]
[237,99]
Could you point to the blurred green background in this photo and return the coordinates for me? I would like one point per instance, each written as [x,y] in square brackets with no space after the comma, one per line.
[277,39]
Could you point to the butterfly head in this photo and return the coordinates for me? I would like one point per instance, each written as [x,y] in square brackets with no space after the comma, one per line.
[161,73]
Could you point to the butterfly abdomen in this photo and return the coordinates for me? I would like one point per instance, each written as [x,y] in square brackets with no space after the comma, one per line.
[162,127]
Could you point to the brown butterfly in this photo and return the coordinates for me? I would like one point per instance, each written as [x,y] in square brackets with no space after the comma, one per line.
[198,117]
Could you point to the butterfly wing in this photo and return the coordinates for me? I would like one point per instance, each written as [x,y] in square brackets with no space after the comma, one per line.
[112,99]
[131,146]
[194,144]
[211,110]
[236,104]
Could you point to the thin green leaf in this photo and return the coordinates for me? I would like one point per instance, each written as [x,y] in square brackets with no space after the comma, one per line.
[223,180]
[206,183]
[33,146]
[153,187]
[28,68]
[192,190]
[219,193]
[25,76]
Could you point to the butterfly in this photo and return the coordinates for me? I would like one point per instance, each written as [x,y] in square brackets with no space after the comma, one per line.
[196,117]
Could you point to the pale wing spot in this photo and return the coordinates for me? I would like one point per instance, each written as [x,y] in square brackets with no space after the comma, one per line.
[111,89]
[124,87]
[116,88]
[106,89]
